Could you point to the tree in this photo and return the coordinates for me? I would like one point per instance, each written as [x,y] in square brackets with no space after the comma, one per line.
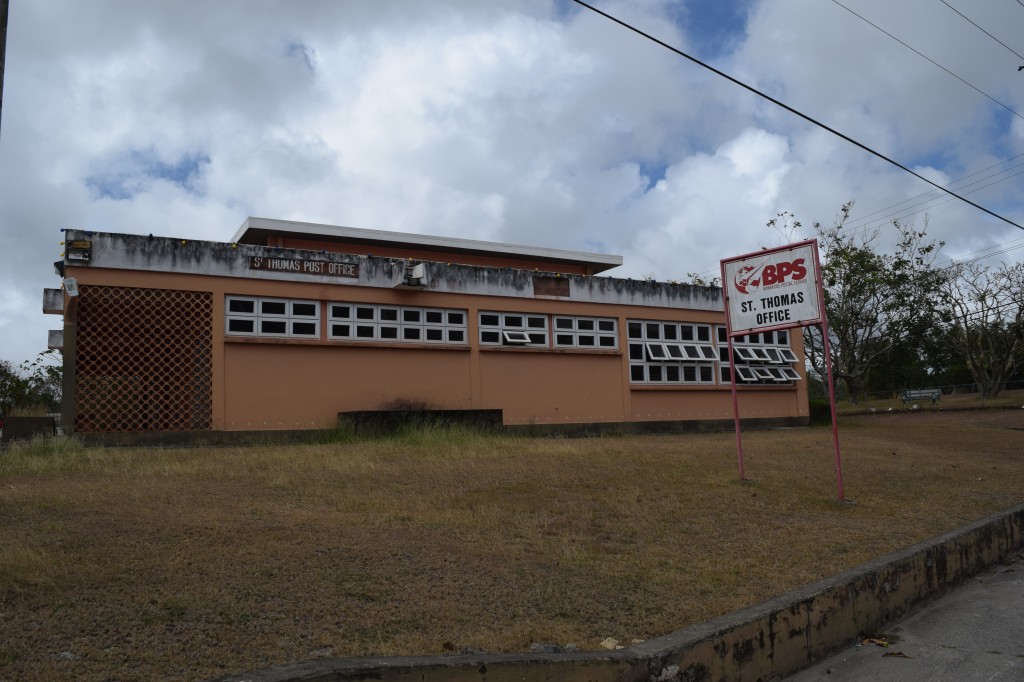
[14,389]
[37,383]
[874,300]
[45,376]
[983,308]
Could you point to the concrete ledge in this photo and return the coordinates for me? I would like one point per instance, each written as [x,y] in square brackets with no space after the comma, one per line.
[762,642]
[656,427]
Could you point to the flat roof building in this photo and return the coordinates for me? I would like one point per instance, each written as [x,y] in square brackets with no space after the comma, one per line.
[290,324]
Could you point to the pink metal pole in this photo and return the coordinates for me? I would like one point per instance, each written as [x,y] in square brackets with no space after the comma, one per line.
[831,386]
[732,376]
[736,410]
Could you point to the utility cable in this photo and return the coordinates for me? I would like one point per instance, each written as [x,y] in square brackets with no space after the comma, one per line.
[981,29]
[793,111]
[1004,247]
[950,186]
[967,83]
[902,213]
[983,315]
[988,252]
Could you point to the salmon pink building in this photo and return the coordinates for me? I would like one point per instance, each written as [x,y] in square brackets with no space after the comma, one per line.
[289,325]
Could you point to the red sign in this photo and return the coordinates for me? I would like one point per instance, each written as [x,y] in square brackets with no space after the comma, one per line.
[772,289]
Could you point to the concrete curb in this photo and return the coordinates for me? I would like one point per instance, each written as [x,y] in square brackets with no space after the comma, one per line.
[762,642]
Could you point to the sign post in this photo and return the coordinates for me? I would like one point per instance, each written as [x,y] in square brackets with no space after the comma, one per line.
[774,289]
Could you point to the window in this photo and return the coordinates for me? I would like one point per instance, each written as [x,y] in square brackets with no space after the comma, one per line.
[513,329]
[515,338]
[789,373]
[272,317]
[586,332]
[395,324]
[787,355]
[663,352]
[763,358]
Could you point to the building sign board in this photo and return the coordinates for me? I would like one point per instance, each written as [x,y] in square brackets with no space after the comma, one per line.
[777,289]
[551,286]
[304,267]
[772,289]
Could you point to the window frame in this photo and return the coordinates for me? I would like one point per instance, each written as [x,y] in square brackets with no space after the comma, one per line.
[406,319]
[259,317]
[669,353]
[606,338]
[535,326]
[762,359]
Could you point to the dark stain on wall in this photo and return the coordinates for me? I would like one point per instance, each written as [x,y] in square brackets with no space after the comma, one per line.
[171,254]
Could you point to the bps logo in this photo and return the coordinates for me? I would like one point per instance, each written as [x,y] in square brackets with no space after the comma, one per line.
[751,278]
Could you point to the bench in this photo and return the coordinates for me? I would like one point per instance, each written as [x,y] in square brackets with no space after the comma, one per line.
[932,394]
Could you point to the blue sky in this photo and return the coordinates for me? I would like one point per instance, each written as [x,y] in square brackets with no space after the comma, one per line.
[522,121]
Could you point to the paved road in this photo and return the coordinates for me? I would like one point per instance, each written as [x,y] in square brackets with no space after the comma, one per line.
[973,633]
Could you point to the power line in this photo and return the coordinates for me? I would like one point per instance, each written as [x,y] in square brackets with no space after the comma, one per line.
[968,84]
[987,252]
[790,109]
[878,222]
[981,29]
[950,185]
[974,316]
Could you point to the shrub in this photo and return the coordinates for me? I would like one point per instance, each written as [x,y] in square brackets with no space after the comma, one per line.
[820,412]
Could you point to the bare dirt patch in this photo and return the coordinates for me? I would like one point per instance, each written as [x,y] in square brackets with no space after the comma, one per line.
[145,563]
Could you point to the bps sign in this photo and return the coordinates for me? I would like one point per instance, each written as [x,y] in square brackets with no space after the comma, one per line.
[771,289]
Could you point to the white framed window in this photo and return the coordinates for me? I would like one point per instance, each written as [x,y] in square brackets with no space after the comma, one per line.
[657,352]
[665,352]
[395,324]
[586,332]
[744,373]
[788,373]
[271,317]
[787,355]
[515,338]
[759,353]
[240,314]
[743,353]
[763,358]
[513,329]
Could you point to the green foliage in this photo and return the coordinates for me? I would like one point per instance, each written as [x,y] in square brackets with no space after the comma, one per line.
[32,384]
[45,376]
[697,280]
[14,389]
[877,301]
[896,321]
[820,412]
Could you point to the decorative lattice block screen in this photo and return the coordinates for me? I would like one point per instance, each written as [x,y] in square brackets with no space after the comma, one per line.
[144,360]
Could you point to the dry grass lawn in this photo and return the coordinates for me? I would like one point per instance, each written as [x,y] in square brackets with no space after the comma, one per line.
[189,564]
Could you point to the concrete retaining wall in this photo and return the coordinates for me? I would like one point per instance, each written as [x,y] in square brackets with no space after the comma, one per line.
[762,642]
[27,428]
